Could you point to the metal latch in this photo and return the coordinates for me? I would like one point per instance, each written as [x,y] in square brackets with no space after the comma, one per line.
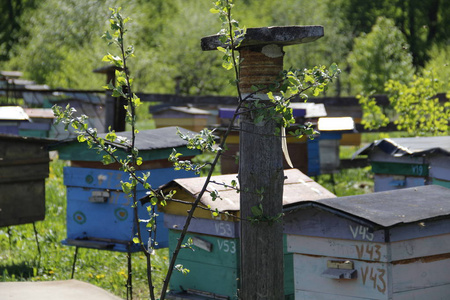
[202,244]
[99,197]
[339,269]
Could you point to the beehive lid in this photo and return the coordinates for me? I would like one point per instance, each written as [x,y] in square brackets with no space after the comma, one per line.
[336,124]
[13,113]
[389,208]
[415,146]
[297,187]
[183,109]
[312,110]
[147,141]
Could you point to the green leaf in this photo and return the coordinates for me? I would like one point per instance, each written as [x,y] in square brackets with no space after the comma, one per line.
[257,210]
[81,138]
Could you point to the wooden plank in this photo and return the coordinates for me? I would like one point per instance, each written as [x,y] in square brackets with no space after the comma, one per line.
[219,280]
[22,203]
[312,222]
[399,168]
[345,249]
[307,295]
[432,293]
[440,167]
[420,247]
[421,274]
[206,226]
[80,151]
[225,251]
[443,183]
[110,179]
[419,229]
[24,172]
[111,220]
[372,278]
[378,155]
[395,182]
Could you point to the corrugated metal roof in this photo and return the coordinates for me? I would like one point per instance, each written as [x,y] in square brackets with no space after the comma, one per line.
[297,187]
[415,146]
[390,208]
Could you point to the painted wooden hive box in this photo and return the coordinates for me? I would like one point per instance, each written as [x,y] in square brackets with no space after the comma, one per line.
[99,213]
[188,117]
[23,169]
[408,162]
[385,245]
[303,154]
[214,259]
[312,156]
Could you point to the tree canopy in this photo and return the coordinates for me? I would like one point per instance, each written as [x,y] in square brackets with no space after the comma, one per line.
[58,42]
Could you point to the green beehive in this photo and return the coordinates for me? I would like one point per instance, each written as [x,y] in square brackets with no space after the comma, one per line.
[212,257]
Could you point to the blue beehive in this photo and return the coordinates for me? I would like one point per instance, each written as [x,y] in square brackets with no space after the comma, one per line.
[99,214]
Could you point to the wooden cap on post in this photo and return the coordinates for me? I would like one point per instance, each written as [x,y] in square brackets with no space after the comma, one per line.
[261,51]
[261,36]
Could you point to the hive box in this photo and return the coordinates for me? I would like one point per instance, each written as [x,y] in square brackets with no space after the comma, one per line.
[214,259]
[99,214]
[386,245]
[23,169]
[312,156]
[408,162]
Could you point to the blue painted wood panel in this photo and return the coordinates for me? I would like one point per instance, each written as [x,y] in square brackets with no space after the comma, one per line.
[311,222]
[204,226]
[113,219]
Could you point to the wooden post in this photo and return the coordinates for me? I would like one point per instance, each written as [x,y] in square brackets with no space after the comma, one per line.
[114,107]
[261,173]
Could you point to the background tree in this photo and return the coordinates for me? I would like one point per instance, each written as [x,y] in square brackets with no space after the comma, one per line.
[12,20]
[379,56]
[424,23]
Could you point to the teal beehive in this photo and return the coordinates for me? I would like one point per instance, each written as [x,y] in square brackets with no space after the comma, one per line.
[99,214]
[213,258]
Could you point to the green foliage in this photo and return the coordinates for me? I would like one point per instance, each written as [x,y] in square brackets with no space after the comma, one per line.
[379,56]
[416,109]
[419,113]
[373,116]
[12,25]
[439,63]
[424,23]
